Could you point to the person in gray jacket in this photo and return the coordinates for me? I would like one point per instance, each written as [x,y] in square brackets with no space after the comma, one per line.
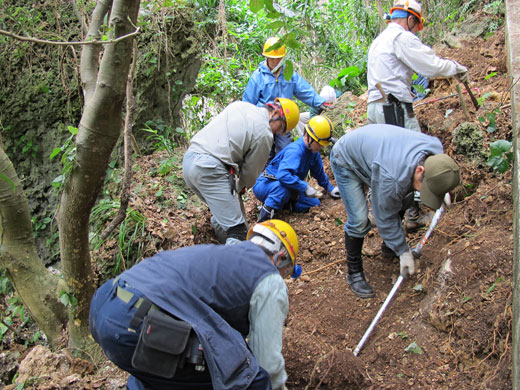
[226,156]
[392,162]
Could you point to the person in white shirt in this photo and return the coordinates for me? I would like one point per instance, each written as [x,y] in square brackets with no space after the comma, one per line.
[394,56]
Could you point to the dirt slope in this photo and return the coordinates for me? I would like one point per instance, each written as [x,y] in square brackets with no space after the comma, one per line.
[457,308]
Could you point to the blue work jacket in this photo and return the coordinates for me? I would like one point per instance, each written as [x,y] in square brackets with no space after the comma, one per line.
[292,165]
[263,87]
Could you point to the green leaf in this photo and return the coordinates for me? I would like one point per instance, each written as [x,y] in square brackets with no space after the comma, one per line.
[351,71]
[270,7]
[275,25]
[8,181]
[54,153]
[466,299]
[499,147]
[494,285]
[290,41]
[490,75]
[414,348]
[57,181]
[288,70]
[256,5]
[3,330]
[194,229]
[73,130]
[68,299]
[338,222]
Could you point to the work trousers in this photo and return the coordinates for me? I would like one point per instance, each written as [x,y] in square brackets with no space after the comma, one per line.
[375,115]
[353,196]
[208,177]
[109,321]
[271,193]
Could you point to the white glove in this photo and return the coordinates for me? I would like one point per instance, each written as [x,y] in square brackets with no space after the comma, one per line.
[407,263]
[311,192]
[447,199]
[461,72]
[335,193]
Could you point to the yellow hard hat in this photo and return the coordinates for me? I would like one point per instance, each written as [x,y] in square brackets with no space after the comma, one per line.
[275,233]
[274,53]
[320,129]
[291,112]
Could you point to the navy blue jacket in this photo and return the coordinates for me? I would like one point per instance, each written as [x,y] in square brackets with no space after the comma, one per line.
[210,287]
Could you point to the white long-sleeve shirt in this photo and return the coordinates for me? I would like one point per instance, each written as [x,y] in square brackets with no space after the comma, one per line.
[394,56]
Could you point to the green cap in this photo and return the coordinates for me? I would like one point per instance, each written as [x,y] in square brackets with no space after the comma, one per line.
[441,175]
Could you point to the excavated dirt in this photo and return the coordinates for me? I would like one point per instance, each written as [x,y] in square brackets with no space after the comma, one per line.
[456,309]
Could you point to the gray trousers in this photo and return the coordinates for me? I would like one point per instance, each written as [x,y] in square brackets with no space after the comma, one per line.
[208,177]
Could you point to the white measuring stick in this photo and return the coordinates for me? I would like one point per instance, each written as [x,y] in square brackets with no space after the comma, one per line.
[378,315]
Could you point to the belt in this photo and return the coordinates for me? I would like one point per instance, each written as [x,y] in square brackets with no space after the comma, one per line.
[142,304]
[126,296]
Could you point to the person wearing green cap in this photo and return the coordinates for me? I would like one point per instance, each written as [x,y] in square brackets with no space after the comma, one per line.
[393,162]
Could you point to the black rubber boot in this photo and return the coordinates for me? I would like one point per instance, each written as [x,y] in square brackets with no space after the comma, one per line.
[387,253]
[266,213]
[236,234]
[355,277]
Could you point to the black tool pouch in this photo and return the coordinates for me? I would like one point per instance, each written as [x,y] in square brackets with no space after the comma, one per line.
[398,110]
[161,344]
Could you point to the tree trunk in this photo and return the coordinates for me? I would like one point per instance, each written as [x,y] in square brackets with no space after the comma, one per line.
[99,130]
[18,255]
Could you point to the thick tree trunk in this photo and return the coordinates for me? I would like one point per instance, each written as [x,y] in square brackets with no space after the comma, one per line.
[35,286]
[98,133]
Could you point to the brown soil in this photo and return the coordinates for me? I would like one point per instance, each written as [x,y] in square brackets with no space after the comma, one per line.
[457,308]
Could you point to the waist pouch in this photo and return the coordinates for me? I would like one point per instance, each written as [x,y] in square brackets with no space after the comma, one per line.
[161,344]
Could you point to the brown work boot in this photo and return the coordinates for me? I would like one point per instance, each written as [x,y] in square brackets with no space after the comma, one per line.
[415,219]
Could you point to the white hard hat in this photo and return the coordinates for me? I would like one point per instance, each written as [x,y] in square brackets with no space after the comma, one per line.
[409,4]
[328,93]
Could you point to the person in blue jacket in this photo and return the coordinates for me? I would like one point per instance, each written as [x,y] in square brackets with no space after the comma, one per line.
[179,320]
[283,182]
[268,82]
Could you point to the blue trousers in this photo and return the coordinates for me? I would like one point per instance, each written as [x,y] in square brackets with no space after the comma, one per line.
[109,321]
[273,194]
[353,196]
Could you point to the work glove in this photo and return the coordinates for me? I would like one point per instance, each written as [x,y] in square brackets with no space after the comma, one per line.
[461,72]
[407,263]
[326,106]
[334,194]
[447,199]
[311,192]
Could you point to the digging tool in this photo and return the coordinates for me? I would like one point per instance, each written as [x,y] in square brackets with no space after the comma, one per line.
[444,97]
[438,214]
[417,253]
[233,183]
[473,98]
